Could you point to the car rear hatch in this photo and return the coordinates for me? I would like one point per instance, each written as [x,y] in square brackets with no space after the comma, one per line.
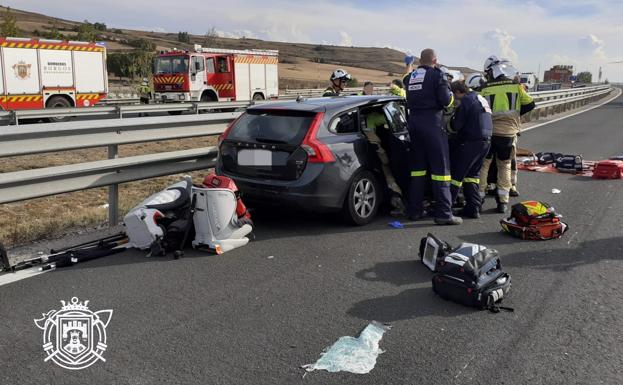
[269,144]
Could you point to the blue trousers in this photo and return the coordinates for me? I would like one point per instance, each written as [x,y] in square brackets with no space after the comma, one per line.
[466,160]
[429,155]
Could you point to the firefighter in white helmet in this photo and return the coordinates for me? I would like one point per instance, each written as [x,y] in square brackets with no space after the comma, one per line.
[508,101]
[339,79]
[475,81]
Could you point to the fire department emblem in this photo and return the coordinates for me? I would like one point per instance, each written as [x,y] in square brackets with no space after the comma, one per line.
[74,337]
[22,70]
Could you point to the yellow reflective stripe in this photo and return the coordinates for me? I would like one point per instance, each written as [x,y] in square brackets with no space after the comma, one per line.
[418,173]
[441,178]
[456,183]
[451,101]
[471,180]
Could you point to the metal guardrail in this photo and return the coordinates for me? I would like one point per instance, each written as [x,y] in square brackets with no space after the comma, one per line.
[52,137]
[121,111]
[551,102]
[43,138]
[118,101]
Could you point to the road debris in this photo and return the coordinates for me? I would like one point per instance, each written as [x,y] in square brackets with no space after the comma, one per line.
[556,191]
[350,354]
[396,225]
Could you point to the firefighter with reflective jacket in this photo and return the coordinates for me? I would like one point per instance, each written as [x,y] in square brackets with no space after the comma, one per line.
[428,93]
[339,79]
[396,88]
[508,101]
[145,94]
[472,126]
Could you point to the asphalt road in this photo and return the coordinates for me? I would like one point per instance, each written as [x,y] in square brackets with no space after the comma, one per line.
[256,314]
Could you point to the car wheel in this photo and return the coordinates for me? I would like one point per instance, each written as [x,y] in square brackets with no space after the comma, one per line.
[363,199]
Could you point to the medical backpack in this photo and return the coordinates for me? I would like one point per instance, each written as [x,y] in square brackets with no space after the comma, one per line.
[569,163]
[472,275]
[608,169]
[543,158]
[534,220]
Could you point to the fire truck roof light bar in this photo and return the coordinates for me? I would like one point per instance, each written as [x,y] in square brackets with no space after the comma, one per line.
[267,52]
[17,39]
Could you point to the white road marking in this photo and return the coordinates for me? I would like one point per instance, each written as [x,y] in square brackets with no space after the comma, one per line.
[574,114]
[6,278]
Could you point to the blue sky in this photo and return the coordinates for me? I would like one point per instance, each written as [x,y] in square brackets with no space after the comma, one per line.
[586,34]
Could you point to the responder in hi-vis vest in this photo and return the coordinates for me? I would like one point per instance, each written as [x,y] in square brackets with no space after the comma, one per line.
[508,101]
[428,93]
[339,79]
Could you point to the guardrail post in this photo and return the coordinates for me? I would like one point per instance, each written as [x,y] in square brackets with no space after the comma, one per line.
[120,112]
[113,192]
[14,117]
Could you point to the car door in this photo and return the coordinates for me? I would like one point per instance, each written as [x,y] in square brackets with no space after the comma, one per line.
[399,144]
[347,143]
[197,76]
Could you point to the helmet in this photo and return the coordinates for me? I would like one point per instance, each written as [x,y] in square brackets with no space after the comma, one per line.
[446,72]
[340,74]
[475,80]
[500,67]
[491,60]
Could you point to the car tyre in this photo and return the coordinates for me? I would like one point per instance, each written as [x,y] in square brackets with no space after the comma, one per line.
[363,199]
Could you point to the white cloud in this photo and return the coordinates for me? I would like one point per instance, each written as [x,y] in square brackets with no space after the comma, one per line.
[593,46]
[526,32]
[345,39]
[237,34]
[501,41]
[140,28]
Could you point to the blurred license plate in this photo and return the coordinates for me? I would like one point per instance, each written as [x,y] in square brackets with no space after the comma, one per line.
[255,158]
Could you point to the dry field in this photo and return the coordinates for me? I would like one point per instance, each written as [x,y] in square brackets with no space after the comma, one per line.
[309,71]
[50,217]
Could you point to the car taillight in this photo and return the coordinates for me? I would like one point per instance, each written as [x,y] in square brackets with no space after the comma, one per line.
[223,136]
[317,152]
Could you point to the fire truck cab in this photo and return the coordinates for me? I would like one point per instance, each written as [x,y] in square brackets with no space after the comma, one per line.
[212,74]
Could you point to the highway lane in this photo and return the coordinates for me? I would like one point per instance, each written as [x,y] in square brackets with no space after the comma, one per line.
[256,314]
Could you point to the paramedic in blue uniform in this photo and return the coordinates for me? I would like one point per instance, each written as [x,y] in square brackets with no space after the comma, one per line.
[473,127]
[428,94]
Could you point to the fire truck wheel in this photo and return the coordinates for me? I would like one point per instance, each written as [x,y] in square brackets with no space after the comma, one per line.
[258,96]
[207,98]
[58,102]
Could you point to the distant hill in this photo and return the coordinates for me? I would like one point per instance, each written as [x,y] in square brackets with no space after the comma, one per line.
[300,65]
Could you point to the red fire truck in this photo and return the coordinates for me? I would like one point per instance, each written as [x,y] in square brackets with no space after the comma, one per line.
[212,74]
[39,73]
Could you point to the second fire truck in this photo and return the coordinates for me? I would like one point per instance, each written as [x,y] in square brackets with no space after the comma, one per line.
[212,74]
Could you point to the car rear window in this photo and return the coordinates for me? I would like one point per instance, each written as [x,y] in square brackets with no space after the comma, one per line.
[287,127]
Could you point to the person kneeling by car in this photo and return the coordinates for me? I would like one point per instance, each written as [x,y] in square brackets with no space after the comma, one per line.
[473,126]
[376,121]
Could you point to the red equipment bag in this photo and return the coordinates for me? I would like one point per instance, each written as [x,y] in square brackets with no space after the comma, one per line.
[608,169]
[534,220]
[219,181]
